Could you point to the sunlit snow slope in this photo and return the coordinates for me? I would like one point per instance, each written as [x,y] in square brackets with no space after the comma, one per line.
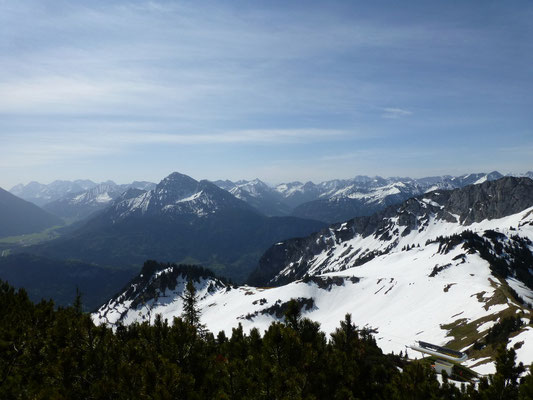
[442,268]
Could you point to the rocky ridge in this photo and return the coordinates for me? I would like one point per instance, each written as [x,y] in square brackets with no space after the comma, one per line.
[411,223]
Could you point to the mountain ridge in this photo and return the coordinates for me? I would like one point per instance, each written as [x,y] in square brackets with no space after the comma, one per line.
[473,203]
[18,216]
[181,220]
[40,194]
[328,201]
[341,199]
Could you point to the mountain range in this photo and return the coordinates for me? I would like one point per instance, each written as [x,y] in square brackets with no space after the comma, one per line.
[446,267]
[329,201]
[259,195]
[341,199]
[80,205]
[41,194]
[180,220]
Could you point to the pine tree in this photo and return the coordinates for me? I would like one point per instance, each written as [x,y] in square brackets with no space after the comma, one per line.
[293,314]
[191,313]
[504,383]
[77,302]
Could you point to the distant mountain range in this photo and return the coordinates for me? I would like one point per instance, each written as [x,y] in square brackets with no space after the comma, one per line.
[259,195]
[443,267]
[41,194]
[80,205]
[181,220]
[18,217]
[330,201]
[342,199]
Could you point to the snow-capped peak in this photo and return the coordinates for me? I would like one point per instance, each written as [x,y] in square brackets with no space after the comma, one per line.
[175,195]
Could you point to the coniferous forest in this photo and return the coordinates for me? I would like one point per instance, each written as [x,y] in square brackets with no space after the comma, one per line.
[58,353]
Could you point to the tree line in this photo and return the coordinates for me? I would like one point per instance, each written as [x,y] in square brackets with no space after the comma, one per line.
[59,353]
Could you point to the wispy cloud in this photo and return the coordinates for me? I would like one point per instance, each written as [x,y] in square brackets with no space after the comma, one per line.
[39,149]
[526,149]
[354,155]
[36,154]
[394,113]
[380,154]
[256,136]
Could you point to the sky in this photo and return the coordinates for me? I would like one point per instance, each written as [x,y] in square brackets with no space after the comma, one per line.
[276,90]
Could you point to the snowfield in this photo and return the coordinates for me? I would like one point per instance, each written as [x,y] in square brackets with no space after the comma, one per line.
[413,291]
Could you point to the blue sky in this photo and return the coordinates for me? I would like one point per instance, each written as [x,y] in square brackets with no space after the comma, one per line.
[282,90]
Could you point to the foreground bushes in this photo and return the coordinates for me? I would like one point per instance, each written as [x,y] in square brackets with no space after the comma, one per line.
[60,354]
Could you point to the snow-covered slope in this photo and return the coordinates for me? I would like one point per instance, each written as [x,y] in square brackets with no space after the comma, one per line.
[440,269]
[398,294]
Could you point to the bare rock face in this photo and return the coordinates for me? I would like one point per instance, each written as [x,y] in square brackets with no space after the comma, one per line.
[491,200]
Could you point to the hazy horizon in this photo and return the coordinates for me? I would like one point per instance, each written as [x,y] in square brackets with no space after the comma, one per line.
[272,183]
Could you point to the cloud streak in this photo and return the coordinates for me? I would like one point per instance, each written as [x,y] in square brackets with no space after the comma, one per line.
[35,150]
[395,113]
[250,136]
